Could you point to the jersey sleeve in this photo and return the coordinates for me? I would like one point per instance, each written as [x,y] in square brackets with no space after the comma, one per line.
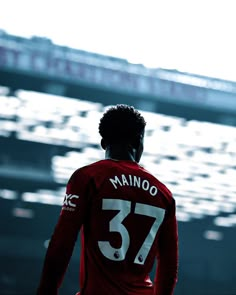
[167,257]
[60,249]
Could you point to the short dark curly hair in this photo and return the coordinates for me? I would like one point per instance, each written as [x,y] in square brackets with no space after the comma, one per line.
[121,124]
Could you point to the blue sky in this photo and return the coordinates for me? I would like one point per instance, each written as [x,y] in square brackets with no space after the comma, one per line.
[197,36]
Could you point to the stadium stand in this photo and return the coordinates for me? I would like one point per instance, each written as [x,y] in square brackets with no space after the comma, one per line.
[48,128]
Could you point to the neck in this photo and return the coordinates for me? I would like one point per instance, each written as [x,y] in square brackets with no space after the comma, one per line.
[120,152]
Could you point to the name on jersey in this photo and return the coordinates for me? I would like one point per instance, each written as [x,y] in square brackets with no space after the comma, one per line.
[135,181]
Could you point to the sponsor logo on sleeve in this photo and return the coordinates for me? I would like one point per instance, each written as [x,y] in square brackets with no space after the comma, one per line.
[69,202]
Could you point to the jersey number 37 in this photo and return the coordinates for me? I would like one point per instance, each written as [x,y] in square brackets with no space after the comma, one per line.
[115,225]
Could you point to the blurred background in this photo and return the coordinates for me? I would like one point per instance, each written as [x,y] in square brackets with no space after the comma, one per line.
[54,90]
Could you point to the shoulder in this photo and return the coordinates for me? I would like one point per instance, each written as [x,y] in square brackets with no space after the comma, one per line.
[161,187]
[88,170]
[82,177]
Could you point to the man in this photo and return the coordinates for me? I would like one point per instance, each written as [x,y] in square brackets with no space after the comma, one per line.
[126,218]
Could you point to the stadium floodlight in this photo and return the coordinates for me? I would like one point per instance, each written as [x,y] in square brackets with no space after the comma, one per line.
[213,235]
[223,221]
[228,207]
[22,212]
[42,198]
[4,90]
[8,194]
[209,208]
[183,216]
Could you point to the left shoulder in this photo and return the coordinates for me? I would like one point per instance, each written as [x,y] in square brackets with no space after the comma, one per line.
[161,186]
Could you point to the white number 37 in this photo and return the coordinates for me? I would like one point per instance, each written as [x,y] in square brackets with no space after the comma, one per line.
[116,225]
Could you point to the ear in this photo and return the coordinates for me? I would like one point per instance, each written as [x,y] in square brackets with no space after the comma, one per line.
[136,143]
[103,144]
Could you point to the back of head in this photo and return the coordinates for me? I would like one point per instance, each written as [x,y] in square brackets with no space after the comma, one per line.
[122,124]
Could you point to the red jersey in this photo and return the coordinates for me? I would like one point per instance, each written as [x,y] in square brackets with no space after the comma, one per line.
[127,220]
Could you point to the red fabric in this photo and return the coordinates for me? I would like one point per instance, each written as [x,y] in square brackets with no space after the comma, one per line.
[128,220]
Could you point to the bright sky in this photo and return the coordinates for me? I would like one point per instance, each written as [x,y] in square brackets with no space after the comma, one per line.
[197,36]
